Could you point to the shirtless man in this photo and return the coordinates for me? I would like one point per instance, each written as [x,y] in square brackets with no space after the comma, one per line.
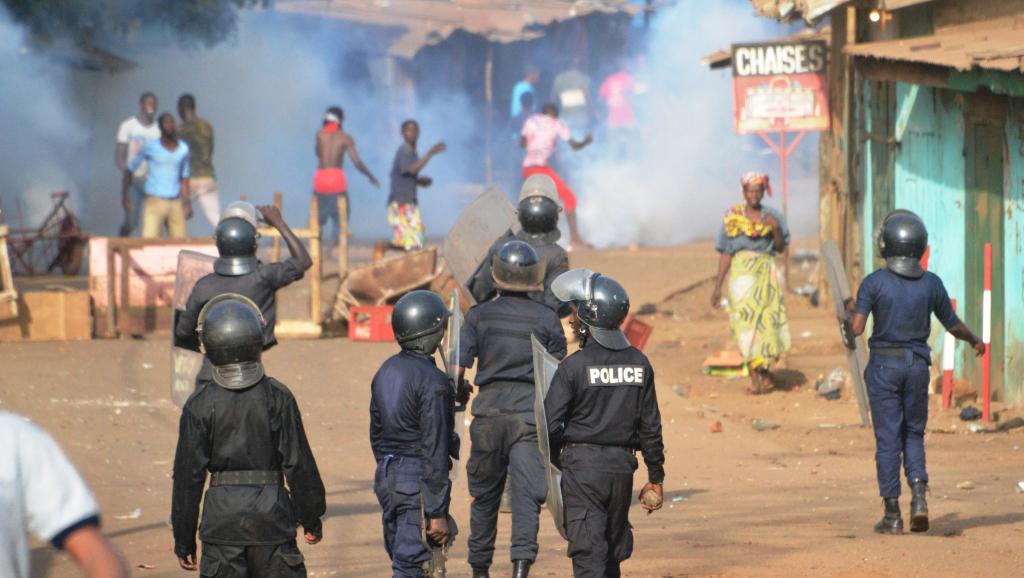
[329,181]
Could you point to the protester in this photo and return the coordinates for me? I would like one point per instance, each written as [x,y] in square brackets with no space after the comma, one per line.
[403,203]
[601,408]
[571,90]
[198,135]
[540,136]
[41,493]
[244,428]
[901,299]
[330,181]
[527,85]
[750,237]
[412,416]
[167,202]
[131,135]
[505,451]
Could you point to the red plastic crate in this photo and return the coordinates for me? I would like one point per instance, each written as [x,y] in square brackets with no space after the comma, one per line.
[637,332]
[370,323]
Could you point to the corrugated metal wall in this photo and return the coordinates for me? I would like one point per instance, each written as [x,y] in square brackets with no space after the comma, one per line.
[1013,256]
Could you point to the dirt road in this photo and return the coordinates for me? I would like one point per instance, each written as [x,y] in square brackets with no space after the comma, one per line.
[796,501]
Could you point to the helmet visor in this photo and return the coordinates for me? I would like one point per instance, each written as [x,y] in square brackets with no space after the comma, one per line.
[575,285]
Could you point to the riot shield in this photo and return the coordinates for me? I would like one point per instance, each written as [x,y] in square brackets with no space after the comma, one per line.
[185,363]
[450,358]
[469,241]
[856,353]
[544,366]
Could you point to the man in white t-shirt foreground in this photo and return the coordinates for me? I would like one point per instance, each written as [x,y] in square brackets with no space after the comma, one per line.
[41,493]
[541,134]
[131,135]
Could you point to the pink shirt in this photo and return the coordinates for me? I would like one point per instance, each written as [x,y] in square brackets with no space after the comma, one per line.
[616,91]
[542,133]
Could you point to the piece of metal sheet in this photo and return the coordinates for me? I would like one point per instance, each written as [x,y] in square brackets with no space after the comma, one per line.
[488,217]
[544,367]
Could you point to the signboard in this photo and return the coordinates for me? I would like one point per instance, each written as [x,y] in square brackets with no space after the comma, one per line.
[780,86]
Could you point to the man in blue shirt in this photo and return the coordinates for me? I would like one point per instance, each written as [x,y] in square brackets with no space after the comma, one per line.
[167,193]
[902,298]
[526,85]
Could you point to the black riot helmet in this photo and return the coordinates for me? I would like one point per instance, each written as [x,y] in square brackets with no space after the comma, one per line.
[236,243]
[538,215]
[231,332]
[902,242]
[516,267]
[419,320]
[601,304]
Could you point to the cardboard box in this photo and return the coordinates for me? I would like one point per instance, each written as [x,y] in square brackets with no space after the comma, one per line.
[50,316]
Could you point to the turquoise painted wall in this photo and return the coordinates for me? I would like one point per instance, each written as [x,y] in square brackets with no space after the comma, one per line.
[1013,257]
[867,215]
[929,180]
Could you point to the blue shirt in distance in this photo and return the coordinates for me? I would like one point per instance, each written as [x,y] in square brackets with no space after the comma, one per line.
[166,168]
[518,90]
[902,309]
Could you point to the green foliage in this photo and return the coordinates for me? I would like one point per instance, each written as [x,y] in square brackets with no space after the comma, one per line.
[206,22]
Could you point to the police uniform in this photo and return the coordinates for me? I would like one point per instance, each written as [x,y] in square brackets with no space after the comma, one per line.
[602,406]
[260,285]
[555,261]
[411,433]
[251,441]
[504,433]
[897,374]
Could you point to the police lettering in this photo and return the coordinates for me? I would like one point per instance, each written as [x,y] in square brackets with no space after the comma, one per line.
[775,59]
[616,375]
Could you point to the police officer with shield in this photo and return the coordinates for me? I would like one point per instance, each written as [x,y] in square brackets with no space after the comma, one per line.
[237,270]
[539,208]
[902,297]
[601,408]
[412,413]
[496,335]
[245,429]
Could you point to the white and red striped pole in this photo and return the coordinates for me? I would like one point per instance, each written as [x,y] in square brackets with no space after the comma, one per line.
[948,364]
[986,337]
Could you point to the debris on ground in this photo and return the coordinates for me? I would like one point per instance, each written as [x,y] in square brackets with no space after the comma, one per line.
[1020,487]
[133,515]
[725,364]
[647,309]
[830,387]
[679,391]
[1017,422]
[763,425]
[683,498]
[970,413]
[716,427]
[976,428]
[967,485]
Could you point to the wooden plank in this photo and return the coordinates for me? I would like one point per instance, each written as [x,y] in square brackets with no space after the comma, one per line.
[315,273]
[275,246]
[342,237]
[906,109]
[8,294]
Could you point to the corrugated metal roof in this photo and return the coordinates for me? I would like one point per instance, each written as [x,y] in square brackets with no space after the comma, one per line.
[897,4]
[424,22]
[723,58]
[789,9]
[996,44]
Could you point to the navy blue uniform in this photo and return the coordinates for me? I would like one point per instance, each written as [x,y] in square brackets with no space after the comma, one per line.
[411,417]
[897,375]
[554,257]
[601,408]
[504,430]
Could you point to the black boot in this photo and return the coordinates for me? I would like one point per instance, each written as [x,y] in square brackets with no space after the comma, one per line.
[918,505]
[481,572]
[892,522]
[520,568]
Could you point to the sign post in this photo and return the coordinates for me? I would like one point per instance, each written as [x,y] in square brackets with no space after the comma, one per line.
[780,88]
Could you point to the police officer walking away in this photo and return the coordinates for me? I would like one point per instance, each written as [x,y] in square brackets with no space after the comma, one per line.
[601,408]
[237,270]
[504,430]
[538,212]
[902,298]
[412,413]
[245,428]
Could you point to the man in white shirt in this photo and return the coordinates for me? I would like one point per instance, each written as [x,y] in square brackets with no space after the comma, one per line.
[41,493]
[131,135]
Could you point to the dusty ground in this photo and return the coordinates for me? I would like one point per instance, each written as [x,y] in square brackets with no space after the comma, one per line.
[796,501]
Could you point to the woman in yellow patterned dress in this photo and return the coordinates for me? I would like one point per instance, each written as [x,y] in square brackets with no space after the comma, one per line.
[751,236]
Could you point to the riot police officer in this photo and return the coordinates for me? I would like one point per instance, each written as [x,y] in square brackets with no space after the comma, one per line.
[902,298]
[539,208]
[496,334]
[237,270]
[601,408]
[245,429]
[412,411]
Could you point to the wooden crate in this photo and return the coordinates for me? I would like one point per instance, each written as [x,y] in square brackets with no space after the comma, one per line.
[50,316]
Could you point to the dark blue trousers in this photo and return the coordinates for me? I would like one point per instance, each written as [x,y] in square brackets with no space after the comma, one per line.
[397,485]
[898,391]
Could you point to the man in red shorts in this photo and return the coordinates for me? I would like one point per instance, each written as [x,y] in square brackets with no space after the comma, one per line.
[541,134]
[329,182]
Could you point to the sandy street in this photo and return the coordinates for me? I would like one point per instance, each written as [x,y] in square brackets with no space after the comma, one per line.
[795,501]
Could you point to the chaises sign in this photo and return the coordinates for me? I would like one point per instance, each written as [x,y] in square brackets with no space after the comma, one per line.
[780,86]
